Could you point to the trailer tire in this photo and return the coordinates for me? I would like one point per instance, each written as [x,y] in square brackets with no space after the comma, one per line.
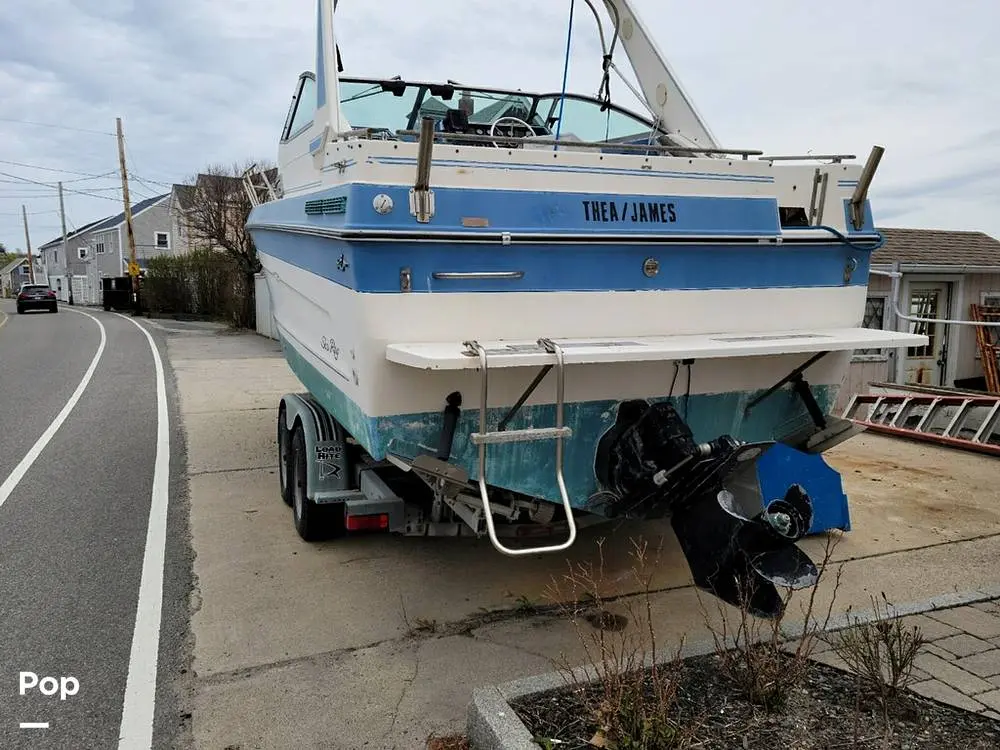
[313,522]
[284,456]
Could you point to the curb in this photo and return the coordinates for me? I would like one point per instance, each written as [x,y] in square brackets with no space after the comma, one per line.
[491,723]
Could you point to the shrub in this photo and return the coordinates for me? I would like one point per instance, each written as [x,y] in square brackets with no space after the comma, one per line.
[754,654]
[199,283]
[881,653]
[634,703]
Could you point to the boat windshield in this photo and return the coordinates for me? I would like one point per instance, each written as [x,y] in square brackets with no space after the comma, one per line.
[395,105]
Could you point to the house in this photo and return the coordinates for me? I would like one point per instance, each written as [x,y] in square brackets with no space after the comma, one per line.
[198,207]
[65,263]
[18,272]
[943,273]
[107,253]
[182,199]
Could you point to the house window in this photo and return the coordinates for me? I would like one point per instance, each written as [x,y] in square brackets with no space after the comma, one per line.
[55,257]
[163,240]
[99,248]
[991,299]
[82,253]
[875,308]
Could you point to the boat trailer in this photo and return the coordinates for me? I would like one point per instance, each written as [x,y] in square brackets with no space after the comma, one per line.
[737,508]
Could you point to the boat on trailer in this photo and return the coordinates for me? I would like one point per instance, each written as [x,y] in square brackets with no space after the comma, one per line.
[519,313]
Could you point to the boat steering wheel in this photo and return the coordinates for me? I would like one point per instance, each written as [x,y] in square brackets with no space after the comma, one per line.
[497,121]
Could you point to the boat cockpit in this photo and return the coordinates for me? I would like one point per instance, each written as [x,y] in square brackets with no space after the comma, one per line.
[394,108]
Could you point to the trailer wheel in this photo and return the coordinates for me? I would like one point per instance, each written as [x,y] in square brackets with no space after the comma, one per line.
[313,522]
[284,456]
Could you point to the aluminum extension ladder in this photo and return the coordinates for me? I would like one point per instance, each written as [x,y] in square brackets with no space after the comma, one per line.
[254,188]
[962,421]
[558,433]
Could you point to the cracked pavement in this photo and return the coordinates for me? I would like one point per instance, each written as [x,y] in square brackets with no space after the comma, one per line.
[378,641]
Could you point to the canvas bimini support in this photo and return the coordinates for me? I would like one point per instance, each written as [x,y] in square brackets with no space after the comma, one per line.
[502,436]
[659,85]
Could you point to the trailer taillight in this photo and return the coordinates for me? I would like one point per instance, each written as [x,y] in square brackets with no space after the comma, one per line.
[375,522]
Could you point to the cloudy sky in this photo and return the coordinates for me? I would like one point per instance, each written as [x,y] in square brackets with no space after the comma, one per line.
[208,81]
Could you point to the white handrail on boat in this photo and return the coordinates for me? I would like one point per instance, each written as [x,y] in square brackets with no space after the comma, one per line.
[471,138]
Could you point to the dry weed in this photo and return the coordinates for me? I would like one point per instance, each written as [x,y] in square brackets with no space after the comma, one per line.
[753,652]
[634,704]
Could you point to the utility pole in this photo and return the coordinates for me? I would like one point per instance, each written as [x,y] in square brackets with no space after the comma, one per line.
[133,266]
[62,216]
[27,244]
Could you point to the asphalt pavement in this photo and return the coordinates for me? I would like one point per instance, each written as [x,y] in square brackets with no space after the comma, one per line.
[92,522]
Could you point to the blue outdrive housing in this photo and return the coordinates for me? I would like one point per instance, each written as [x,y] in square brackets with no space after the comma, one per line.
[781,466]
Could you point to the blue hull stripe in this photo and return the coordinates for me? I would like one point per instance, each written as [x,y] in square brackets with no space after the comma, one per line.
[370,267]
[578,261]
[475,211]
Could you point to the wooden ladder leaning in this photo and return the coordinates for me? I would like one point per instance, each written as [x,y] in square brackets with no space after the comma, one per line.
[988,338]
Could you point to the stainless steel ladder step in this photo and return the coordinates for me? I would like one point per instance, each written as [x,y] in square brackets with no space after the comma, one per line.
[521,436]
[500,437]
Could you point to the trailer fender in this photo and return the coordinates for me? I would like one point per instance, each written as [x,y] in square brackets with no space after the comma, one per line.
[329,474]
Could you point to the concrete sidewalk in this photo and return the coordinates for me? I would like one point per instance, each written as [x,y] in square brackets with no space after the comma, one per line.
[377,641]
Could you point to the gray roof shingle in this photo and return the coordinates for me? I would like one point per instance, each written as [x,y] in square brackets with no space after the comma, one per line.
[937,247]
[113,221]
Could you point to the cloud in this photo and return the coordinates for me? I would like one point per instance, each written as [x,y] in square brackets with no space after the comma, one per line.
[204,82]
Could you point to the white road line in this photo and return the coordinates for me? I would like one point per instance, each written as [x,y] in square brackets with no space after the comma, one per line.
[32,455]
[136,731]
[34,725]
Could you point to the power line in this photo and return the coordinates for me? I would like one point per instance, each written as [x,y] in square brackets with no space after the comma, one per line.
[151,181]
[50,125]
[134,172]
[65,189]
[24,191]
[88,175]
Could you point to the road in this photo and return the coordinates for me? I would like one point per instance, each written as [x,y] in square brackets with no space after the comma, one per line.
[87,531]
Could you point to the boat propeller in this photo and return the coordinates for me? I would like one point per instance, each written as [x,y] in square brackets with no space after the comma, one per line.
[738,545]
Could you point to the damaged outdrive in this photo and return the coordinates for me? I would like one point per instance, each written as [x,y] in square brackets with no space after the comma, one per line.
[738,541]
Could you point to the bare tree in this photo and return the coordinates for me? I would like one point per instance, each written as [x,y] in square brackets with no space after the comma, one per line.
[6,257]
[214,217]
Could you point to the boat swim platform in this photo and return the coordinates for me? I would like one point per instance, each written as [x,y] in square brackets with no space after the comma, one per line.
[506,354]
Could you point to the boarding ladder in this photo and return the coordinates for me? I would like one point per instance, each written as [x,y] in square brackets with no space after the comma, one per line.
[503,436]
[257,186]
[961,421]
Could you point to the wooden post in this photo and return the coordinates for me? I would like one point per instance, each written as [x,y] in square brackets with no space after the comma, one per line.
[133,266]
[27,244]
[62,216]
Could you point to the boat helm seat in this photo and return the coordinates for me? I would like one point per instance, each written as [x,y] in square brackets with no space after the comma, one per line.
[455,121]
